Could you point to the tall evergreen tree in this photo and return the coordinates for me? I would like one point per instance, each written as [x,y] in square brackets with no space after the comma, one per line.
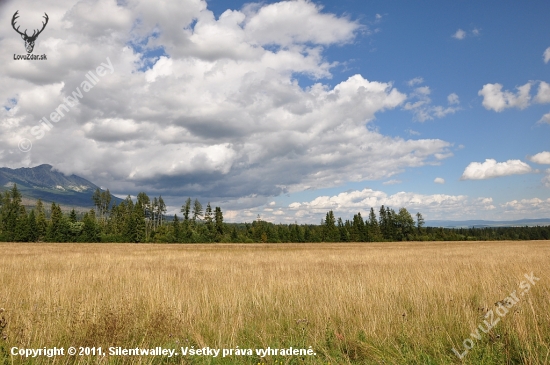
[33,227]
[359,231]
[90,228]
[22,229]
[374,228]
[58,229]
[186,210]
[72,216]
[96,198]
[161,210]
[383,222]
[343,233]
[209,218]
[419,222]
[41,222]
[197,210]
[176,229]
[10,212]
[331,233]
[218,217]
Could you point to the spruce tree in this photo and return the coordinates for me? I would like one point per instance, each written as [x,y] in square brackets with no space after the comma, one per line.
[176,229]
[90,228]
[374,228]
[22,230]
[331,233]
[41,222]
[33,227]
[218,217]
[72,216]
[58,229]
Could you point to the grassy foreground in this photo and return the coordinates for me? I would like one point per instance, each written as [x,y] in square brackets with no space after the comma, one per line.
[383,303]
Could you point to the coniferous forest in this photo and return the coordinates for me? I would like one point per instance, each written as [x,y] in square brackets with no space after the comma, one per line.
[145,220]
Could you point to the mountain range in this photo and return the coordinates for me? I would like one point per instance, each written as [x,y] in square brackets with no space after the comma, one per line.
[46,183]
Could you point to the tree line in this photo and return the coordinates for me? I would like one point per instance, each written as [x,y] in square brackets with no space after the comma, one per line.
[145,220]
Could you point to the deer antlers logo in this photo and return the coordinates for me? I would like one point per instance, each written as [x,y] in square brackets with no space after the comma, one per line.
[29,40]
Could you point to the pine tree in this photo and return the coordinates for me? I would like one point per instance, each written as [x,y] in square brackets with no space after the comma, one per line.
[161,210]
[139,218]
[96,198]
[145,202]
[197,210]
[419,222]
[154,212]
[186,209]
[209,218]
[105,203]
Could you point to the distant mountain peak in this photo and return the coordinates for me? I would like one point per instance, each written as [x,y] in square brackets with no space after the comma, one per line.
[46,183]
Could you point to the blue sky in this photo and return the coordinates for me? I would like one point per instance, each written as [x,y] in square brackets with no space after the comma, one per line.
[289,109]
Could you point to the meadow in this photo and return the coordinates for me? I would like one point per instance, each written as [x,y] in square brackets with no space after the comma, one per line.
[368,303]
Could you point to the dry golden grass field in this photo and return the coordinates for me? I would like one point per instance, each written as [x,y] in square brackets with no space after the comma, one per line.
[377,303]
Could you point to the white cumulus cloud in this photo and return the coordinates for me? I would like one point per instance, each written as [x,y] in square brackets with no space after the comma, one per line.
[491,168]
[296,22]
[541,158]
[543,93]
[546,55]
[219,113]
[496,99]
[439,180]
[534,207]
[434,206]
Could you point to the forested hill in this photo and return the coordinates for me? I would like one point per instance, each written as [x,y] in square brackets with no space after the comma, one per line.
[45,183]
[145,221]
[478,223]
